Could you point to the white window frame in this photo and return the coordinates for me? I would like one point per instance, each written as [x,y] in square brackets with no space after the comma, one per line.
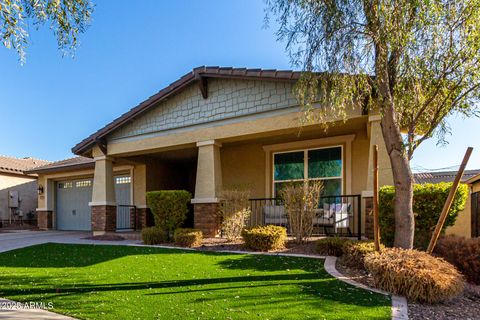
[305,167]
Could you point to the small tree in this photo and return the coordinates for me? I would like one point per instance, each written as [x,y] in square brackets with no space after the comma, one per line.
[413,62]
[301,204]
[234,211]
[66,18]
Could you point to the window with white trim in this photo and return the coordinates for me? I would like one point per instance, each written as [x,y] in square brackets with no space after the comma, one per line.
[325,164]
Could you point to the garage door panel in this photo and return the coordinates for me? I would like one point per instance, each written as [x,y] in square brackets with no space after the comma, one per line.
[73,211]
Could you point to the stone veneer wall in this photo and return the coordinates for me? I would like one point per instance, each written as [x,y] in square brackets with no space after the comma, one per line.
[44,220]
[227,98]
[104,218]
[206,218]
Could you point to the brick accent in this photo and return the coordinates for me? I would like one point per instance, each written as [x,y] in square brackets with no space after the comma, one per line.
[368,217]
[206,218]
[44,220]
[144,218]
[104,218]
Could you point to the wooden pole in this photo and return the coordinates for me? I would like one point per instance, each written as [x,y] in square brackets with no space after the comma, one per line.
[376,227]
[448,203]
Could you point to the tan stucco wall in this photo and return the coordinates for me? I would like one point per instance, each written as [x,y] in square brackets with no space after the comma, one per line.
[462,226]
[244,165]
[27,191]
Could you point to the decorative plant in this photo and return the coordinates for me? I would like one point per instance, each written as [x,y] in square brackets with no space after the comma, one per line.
[234,211]
[301,204]
[169,208]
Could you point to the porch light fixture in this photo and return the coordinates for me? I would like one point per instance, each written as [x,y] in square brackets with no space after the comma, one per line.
[40,189]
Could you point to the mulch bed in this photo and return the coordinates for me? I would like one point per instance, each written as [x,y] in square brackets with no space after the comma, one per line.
[466,306]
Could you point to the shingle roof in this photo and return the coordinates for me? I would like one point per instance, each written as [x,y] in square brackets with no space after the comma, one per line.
[67,164]
[443,176]
[19,165]
[195,75]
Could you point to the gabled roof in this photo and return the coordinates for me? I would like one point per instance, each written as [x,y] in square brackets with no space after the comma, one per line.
[19,165]
[64,165]
[443,176]
[198,75]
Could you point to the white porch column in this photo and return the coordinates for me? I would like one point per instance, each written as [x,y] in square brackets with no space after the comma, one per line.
[104,210]
[207,187]
[209,172]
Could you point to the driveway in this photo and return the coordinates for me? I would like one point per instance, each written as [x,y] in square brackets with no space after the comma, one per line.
[10,240]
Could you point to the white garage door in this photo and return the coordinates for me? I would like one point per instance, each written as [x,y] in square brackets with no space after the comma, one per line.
[73,196]
[73,211]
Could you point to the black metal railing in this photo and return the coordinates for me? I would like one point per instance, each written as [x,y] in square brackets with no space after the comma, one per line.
[336,215]
[126,217]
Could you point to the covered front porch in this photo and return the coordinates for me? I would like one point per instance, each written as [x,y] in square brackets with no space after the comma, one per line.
[263,163]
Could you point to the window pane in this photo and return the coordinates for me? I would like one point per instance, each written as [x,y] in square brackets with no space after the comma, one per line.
[288,166]
[279,186]
[332,187]
[324,163]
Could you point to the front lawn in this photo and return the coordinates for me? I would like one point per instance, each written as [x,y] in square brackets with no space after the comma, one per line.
[121,282]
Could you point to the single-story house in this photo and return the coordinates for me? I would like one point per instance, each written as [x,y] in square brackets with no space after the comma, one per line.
[468,221]
[18,190]
[214,128]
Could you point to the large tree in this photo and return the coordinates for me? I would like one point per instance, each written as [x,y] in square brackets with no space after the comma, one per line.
[66,18]
[416,62]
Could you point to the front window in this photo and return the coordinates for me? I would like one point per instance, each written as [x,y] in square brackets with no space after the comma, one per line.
[323,164]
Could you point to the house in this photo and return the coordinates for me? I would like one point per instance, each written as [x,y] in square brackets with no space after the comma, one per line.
[18,190]
[468,221]
[214,127]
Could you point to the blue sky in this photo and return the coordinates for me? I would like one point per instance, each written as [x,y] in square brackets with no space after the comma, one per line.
[130,52]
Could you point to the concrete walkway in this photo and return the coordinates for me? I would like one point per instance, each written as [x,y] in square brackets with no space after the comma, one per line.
[10,240]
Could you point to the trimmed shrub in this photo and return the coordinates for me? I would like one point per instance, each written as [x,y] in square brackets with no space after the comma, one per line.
[462,253]
[354,253]
[428,201]
[169,208]
[265,238]
[154,235]
[301,203]
[188,237]
[331,246]
[415,275]
[234,211]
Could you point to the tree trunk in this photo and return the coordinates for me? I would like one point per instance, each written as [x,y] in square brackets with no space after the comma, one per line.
[402,178]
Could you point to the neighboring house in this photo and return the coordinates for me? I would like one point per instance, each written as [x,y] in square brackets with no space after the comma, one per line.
[18,190]
[212,128]
[468,220]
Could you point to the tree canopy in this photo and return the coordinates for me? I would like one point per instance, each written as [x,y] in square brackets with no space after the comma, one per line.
[66,18]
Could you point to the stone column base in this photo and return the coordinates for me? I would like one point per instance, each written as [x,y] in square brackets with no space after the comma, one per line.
[45,220]
[144,218]
[368,217]
[206,218]
[104,219]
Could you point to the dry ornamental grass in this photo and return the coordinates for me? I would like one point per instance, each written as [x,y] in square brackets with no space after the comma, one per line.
[414,274]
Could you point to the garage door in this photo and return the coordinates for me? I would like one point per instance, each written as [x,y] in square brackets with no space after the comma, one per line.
[73,211]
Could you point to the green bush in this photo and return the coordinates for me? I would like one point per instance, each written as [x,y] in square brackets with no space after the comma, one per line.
[463,253]
[354,253]
[414,274]
[428,201]
[331,246]
[188,237]
[153,235]
[169,208]
[265,238]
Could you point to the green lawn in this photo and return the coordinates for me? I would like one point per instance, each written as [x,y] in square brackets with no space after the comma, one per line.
[120,282]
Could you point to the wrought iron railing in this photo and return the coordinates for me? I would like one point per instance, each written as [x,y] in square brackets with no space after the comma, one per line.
[336,215]
[126,217]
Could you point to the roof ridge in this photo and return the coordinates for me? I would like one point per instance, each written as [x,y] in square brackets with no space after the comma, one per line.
[23,158]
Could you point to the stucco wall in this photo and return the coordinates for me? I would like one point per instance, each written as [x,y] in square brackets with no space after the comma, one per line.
[27,190]
[462,226]
[226,99]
